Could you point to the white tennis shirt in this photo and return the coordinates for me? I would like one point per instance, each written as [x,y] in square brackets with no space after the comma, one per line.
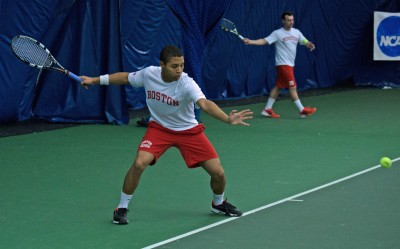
[171,104]
[285,45]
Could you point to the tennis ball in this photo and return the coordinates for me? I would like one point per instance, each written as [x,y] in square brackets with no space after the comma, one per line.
[386,162]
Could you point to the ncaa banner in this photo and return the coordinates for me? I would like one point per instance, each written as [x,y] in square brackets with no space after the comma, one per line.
[386,36]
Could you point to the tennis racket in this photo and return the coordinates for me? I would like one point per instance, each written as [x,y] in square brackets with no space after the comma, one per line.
[35,54]
[229,26]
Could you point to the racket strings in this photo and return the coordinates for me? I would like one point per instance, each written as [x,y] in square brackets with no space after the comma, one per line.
[32,52]
[227,25]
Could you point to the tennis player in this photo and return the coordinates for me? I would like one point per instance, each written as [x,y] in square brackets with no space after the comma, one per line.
[286,40]
[170,96]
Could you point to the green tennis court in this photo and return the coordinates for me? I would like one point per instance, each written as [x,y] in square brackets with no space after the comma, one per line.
[59,187]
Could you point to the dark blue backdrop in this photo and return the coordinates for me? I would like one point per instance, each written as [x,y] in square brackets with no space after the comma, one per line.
[93,37]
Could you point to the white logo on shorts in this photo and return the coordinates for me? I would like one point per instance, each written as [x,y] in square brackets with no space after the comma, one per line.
[146,144]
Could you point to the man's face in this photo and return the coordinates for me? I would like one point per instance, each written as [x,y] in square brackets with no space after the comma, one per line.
[288,22]
[172,70]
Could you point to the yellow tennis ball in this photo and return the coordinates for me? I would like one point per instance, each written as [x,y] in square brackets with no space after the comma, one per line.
[386,162]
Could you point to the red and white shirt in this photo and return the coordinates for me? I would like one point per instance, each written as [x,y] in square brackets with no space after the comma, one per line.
[171,104]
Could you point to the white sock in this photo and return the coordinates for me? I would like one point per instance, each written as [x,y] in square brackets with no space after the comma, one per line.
[270,103]
[218,199]
[124,200]
[298,105]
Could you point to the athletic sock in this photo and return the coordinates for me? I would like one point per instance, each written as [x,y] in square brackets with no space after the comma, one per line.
[124,200]
[218,199]
[298,105]
[270,103]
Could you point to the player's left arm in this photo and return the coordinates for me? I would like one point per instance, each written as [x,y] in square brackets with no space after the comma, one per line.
[308,44]
[234,118]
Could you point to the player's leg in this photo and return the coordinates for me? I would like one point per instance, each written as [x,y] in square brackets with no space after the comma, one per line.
[197,151]
[286,74]
[293,93]
[217,174]
[131,182]
[217,182]
[132,177]
[154,143]
[274,93]
[304,111]
[268,111]
[295,97]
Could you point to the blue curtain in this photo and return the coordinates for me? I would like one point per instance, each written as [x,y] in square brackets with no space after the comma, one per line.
[94,37]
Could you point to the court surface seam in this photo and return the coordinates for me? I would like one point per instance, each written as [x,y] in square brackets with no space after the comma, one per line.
[291,198]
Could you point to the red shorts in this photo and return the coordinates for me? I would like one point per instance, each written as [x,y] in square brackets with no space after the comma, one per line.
[285,77]
[193,143]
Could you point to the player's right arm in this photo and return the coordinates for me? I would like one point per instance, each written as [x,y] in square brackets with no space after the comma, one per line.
[258,42]
[120,78]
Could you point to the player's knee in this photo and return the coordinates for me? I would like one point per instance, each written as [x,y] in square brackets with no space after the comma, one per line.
[218,173]
[139,165]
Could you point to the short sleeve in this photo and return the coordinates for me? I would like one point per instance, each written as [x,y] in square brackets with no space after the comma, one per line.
[136,79]
[271,38]
[192,90]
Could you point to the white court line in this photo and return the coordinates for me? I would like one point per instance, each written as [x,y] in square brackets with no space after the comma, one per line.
[291,198]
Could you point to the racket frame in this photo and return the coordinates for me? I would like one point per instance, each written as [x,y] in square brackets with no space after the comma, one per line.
[232,30]
[58,66]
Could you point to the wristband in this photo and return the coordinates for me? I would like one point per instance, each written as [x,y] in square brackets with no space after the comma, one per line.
[104,80]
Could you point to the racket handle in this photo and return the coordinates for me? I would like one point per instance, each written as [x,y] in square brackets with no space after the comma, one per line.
[241,37]
[73,76]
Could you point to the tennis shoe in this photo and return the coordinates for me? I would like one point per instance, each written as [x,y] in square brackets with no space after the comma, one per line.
[226,209]
[269,113]
[307,111]
[120,216]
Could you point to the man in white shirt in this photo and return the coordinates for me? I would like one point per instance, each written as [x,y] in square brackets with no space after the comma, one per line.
[285,40]
[171,96]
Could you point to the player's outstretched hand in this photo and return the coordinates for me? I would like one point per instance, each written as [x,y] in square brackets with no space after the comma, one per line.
[310,46]
[236,118]
[87,81]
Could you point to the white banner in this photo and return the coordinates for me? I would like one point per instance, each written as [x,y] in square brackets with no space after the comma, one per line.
[386,36]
